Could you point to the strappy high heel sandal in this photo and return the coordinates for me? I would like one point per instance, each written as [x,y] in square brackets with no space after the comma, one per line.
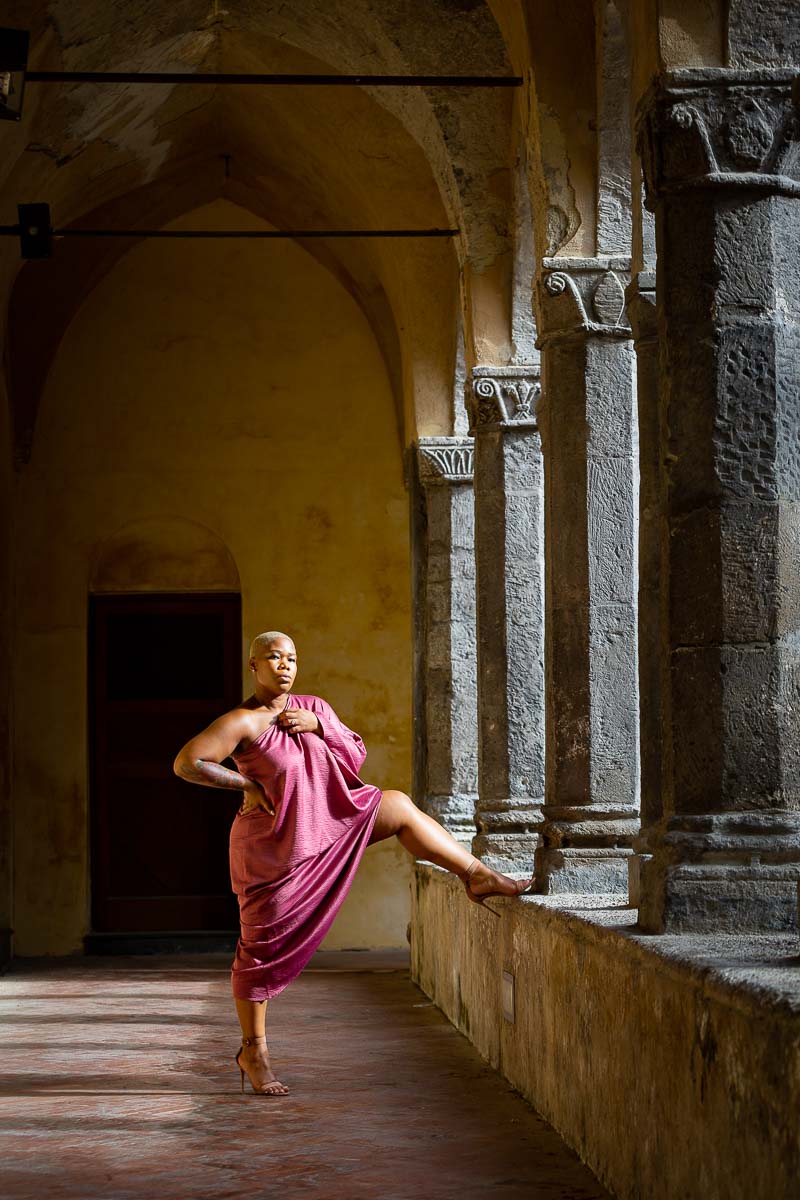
[262,1090]
[522,885]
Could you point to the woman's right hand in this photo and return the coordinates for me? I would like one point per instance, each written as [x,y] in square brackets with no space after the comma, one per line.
[255,797]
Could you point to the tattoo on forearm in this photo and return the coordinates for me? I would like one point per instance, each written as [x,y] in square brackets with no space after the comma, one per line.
[213,775]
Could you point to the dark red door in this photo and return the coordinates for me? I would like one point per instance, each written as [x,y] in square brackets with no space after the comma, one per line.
[161,668]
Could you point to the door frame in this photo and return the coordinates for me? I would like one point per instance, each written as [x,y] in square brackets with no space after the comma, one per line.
[125,941]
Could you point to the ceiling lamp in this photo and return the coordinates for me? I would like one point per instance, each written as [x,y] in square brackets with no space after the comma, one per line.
[35,231]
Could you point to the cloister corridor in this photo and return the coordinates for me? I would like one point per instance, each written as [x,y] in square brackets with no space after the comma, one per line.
[417,380]
[118,1081]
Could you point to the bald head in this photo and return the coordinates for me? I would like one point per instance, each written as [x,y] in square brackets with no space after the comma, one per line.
[263,640]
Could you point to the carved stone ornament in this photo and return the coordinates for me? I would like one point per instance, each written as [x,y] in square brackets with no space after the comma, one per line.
[445,460]
[583,296]
[504,396]
[640,306]
[718,127]
[608,301]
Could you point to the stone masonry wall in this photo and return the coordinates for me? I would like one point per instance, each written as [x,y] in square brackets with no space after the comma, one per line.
[670,1064]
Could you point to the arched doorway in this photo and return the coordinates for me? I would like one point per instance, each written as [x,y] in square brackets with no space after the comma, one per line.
[233,391]
[164,637]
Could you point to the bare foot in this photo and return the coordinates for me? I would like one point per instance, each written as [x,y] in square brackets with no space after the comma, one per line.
[483,881]
[254,1061]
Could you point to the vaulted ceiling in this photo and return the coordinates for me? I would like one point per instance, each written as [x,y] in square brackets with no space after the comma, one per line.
[137,155]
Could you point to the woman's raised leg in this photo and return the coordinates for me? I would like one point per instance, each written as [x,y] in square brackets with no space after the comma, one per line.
[398,816]
[254,1056]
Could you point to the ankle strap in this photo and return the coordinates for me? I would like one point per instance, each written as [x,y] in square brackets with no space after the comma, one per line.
[249,1041]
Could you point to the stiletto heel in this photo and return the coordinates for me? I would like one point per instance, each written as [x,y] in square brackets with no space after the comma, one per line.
[259,1091]
[481,898]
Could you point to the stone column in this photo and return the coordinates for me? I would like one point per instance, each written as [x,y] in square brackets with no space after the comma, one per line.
[509,559]
[445,689]
[721,152]
[641,309]
[589,432]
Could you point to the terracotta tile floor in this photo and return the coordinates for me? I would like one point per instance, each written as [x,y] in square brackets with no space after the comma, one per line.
[118,1080]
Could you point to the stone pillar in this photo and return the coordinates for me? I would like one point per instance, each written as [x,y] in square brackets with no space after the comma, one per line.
[641,309]
[509,559]
[445,689]
[589,433]
[721,154]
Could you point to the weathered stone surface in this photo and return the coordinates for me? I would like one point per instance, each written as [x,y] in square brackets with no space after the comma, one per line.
[763,33]
[613,131]
[706,128]
[731,715]
[641,308]
[751,595]
[587,869]
[725,872]
[583,295]
[509,552]
[721,164]
[589,432]
[445,657]
[709,1102]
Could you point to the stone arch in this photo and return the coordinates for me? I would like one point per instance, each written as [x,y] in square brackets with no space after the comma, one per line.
[123,440]
[77,266]
[163,554]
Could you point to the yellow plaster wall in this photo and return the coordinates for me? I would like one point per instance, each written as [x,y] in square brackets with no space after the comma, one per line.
[237,386]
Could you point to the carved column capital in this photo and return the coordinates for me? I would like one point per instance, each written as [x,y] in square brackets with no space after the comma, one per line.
[583,297]
[504,397]
[445,460]
[715,127]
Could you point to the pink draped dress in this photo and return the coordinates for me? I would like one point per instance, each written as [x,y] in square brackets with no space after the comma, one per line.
[291,872]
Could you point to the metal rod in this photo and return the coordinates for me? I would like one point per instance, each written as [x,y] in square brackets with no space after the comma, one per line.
[472,81]
[16,230]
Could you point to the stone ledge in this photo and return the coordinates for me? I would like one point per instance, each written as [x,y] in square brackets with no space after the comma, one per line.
[741,969]
[671,1063]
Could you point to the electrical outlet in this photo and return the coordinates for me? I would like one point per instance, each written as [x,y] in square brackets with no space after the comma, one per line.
[508,996]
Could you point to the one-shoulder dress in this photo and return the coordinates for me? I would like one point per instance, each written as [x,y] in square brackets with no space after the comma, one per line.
[291,872]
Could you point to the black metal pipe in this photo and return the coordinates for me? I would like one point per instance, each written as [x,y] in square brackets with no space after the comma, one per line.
[428,81]
[15,230]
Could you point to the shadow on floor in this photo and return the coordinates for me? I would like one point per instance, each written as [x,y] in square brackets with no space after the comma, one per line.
[118,1081]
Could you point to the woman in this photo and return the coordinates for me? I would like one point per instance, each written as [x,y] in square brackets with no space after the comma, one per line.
[297,839]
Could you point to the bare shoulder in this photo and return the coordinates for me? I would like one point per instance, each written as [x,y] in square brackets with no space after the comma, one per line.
[222,737]
[242,721]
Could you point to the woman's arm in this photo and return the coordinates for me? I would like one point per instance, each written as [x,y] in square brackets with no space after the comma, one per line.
[200,760]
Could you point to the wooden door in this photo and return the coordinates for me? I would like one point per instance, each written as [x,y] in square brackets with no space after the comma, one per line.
[161,668]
